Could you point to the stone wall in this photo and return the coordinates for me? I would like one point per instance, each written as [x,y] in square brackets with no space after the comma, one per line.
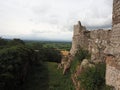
[79,38]
[99,39]
[115,39]
[116,12]
[113,50]
[95,41]
[113,77]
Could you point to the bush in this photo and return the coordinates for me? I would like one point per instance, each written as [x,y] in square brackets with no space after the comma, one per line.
[108,88]
[82,54]
[93,78]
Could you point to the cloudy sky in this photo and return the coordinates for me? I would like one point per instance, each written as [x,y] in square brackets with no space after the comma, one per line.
[51,19]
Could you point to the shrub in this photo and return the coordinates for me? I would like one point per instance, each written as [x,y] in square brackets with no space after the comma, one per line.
[82,54]
[93,78]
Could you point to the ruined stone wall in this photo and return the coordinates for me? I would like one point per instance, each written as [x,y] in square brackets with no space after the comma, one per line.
[99,39]
[95,41]
[100,34]
[103,45]
[79,38]
[112,72]
[113,64]
[116,12]
[115,39]
[114,77]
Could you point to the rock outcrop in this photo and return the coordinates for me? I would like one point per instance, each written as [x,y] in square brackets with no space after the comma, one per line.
[65,62]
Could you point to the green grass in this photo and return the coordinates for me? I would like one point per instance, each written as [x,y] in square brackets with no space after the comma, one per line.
[74,65]
[48,77]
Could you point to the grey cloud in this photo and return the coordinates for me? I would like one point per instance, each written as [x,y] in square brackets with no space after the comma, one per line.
[37,31]
[40,10]
[61,15]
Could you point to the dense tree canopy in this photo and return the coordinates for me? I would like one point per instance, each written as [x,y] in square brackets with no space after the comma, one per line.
[14,64]
[16,59]
[2,42]
[16,42]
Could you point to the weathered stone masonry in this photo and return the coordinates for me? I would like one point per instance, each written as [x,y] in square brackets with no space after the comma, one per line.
[95,41]
[113,50]
[115,39]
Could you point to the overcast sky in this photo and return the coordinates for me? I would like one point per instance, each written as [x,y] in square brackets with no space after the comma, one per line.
[51,19]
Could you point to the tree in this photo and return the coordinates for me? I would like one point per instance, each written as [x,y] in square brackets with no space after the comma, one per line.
[16,42]
[2,42]
[14,65]
[52,55]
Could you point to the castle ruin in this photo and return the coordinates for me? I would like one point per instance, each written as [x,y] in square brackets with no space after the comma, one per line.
[104,46]
[95,41]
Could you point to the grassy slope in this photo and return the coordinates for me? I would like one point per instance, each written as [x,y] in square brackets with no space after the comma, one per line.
[48,77]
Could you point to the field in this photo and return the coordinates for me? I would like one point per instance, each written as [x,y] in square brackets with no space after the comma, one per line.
[57,45]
